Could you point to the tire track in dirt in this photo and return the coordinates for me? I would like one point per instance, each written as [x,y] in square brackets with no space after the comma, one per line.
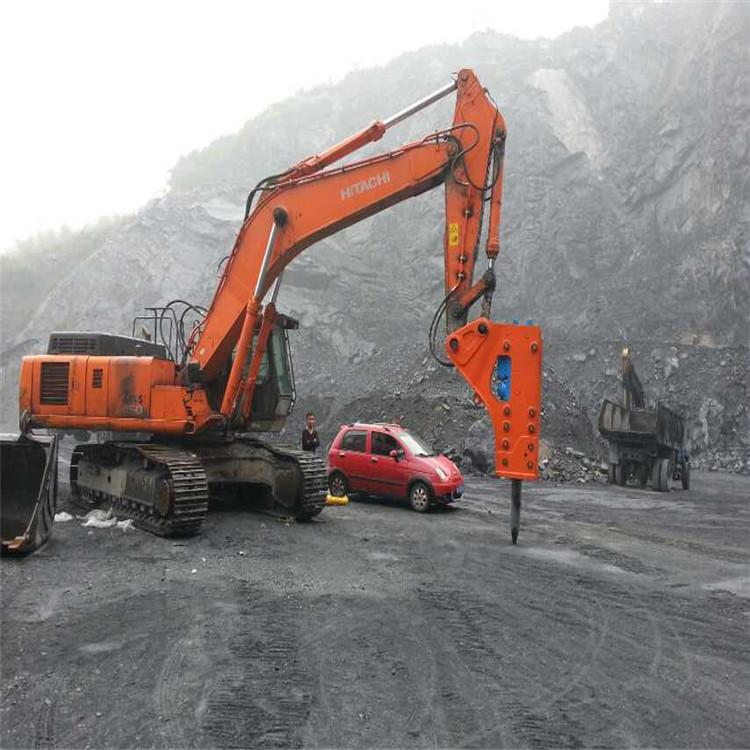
[189,670]
[655,666]
[644,661]
[260,693]
[482,649]
[170,695]
[475,635]
[461,698]
[44,730]
[378,668]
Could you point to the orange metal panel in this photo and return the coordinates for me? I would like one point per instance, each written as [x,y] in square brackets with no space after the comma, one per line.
[516,415]
[97,384]
[25,385]
[129,391]
[77,395]
[130,382]
[176,402]
[126,384]
[482,124]
[121,424]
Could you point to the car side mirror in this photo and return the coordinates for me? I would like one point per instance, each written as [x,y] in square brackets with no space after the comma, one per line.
[396,455]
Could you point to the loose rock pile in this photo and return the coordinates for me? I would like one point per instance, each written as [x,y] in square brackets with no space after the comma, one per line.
[570,465]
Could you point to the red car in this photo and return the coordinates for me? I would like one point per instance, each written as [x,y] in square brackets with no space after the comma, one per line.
[389,461]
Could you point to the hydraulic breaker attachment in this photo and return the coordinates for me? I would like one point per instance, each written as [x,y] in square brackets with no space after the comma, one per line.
[502,362]
[28,493]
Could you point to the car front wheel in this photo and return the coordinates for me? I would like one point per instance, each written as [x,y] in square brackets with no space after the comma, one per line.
[419,497]
[337,484]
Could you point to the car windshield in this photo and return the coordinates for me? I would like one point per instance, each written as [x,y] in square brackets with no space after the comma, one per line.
[416,445]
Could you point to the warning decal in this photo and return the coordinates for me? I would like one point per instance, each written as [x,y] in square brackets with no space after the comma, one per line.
[454,234]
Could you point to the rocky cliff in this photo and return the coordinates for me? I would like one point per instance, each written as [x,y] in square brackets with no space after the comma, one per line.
[626,220]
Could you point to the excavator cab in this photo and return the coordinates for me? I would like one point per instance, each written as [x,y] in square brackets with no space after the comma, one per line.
[274,395]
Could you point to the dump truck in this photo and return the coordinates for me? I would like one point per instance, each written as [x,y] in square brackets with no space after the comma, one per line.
[646,444]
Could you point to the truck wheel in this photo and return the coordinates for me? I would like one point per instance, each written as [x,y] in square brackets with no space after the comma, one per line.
[337,484]
[419,497]
[664,476]
[686,476]
[621,475]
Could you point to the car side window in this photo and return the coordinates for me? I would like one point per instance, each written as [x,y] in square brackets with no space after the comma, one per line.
[382,444]
[354,440]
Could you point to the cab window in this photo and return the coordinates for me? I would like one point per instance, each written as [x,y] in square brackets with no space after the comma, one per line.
[279,345]
[263,370]
[382,444]
[354,440]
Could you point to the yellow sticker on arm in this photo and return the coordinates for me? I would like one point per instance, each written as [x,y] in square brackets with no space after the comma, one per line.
[454,234]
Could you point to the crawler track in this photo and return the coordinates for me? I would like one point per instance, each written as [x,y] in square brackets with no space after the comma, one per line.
[315,480]
[135,478]
[183,512]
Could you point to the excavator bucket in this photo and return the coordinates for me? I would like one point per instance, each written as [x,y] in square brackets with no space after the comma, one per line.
[28,494]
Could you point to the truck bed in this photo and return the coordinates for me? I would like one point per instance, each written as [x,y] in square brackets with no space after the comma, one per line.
[660,426]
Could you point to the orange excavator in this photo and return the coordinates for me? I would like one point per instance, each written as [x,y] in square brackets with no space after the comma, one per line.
[203,399]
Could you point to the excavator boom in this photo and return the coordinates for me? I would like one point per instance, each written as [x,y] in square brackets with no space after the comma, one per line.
[307,205]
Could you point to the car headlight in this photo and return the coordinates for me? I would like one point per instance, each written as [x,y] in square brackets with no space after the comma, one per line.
[441,473]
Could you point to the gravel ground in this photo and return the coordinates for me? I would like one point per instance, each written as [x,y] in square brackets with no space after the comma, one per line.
[620,619]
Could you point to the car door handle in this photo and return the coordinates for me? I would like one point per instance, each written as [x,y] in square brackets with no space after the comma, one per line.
[342,455]
[374,460]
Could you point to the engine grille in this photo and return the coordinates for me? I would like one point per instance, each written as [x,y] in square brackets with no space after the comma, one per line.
[54,385]
[62,344]
[102,345]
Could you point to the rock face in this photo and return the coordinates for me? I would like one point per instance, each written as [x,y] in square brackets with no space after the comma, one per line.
[626,219]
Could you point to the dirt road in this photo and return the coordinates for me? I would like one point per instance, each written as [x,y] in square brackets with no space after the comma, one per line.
[621,619]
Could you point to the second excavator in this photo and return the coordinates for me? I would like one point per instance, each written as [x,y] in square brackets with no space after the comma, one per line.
[202,397]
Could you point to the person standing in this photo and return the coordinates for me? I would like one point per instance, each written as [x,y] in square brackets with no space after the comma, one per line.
[310,441]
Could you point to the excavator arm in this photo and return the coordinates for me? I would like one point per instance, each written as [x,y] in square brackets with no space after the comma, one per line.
[307,204]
